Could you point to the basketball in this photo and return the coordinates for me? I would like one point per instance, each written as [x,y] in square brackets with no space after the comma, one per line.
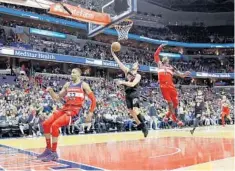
[116,47]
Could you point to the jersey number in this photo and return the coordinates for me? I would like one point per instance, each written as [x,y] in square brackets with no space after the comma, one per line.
[71,94]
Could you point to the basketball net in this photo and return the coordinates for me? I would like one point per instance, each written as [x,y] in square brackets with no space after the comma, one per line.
[123,29]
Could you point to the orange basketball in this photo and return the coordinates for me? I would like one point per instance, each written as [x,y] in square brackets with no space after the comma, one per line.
[116,47]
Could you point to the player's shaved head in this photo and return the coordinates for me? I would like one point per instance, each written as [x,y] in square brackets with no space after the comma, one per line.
[76,73]
[78,70]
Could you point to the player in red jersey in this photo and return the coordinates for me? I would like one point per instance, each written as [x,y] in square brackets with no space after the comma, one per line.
[74,94]
[169,92]
[225,110]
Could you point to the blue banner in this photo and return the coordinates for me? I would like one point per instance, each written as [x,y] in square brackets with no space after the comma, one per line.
[110,64]
[47,33]
[19,30]
[213,75]
[110,31]
[35,55]
[95,62]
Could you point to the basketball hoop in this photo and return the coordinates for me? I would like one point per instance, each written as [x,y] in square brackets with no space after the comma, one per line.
[123,29]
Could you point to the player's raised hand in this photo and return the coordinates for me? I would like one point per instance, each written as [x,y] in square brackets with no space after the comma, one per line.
[163,45]
[49,89]
[187,73]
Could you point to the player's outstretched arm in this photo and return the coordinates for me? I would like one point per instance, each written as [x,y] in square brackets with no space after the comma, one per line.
[91,96]
[61,94]
[120,64]
[131,84]
[229,104]
[156,54]
[182,75]
[226,103]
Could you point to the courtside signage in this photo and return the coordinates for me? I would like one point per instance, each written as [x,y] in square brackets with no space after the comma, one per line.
[35,55]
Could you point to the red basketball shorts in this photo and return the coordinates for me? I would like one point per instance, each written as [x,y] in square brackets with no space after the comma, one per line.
[169,93]
[60,118]
[225,112]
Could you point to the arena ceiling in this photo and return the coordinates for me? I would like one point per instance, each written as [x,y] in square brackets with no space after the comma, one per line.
[210,6]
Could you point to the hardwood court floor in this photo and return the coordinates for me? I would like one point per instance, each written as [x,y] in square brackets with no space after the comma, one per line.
[211,148]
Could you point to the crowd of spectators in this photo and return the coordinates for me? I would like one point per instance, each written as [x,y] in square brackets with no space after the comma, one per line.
[24,104]
[187,33]
[81,34]
[98,50]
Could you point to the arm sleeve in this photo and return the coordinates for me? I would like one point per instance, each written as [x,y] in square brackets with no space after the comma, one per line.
[93,101]
[156,54]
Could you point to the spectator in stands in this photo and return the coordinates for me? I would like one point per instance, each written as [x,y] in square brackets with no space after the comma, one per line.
[153,115]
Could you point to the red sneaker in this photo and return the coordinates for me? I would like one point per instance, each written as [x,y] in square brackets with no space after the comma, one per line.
[180,123]
[165,119]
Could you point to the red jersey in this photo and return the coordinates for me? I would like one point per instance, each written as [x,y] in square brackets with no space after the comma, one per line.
[225,106]
[75,95]
[165,71]
[165,74]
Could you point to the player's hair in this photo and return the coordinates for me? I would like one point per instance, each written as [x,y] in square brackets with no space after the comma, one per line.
[165,59]
[79,70]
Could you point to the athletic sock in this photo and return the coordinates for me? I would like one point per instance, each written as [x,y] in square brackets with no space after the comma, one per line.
[54,146]
[48,143]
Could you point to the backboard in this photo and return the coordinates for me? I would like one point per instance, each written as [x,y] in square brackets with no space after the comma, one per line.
[117,9]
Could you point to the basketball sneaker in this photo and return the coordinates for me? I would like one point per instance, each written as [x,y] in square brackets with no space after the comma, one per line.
[44,154]
[143,128]
[192,131]
[165,119]
[51,157]
[145,131]
[180,123]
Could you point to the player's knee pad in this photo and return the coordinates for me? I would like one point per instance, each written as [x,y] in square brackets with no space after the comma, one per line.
[55,130]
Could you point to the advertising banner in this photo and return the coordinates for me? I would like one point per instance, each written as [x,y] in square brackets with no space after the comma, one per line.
[80,14]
